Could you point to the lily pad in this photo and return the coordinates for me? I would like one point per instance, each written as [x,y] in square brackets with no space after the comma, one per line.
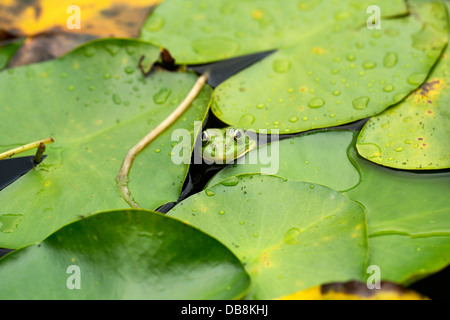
[316,158]
[301,236]
[96,104]
[124,255]
[330,68]
[415,133]
[407,212]
[407,217]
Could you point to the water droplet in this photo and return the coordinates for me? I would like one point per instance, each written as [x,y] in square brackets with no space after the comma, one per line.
[260,106]
[399,149]
[293,119]
[360,103]
[70,88]
[281,65]
[255,235]
[112,49]
[63,75]
[157,150]
[336,92]
[221,212]
[335,71]
[316,102]
[388,88]
[416,78]
[162,95]
[311,186]
[218,46]
[89,51]
[342,15]
[116,98]
[129,70]
[230,182]
[155,23]
[241,223]
[369,65]
[209,192]
[390,59]
[10,222]
[290,237]
[351,57]
[247,119]
[107,75]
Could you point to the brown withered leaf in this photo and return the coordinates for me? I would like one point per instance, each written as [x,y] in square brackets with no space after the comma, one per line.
[46,24]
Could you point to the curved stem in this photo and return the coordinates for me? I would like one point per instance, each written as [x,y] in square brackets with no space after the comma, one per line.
[122,178]
[24,148]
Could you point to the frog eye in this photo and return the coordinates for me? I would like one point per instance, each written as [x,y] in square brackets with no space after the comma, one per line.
[236,134]
[205,137]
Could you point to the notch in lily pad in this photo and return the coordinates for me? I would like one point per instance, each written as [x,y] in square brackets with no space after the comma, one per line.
[13,169]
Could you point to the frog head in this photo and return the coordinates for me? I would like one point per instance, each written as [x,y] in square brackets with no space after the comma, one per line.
[225,145]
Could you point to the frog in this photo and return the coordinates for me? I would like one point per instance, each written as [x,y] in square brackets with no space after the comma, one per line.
[225,145]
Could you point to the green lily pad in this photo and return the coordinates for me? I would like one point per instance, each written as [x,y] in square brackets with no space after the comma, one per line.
[329,69]
[124,255]
[407,217]
[96,104]
[410,209]
[300,159]
[301,236]
[7,51]
[414,134]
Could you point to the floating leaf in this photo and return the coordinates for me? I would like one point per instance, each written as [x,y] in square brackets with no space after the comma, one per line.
[51,25]
[102,17]
[124,255]
[316,158]
[301,236]
[415,133]
[408,219]
[407,212]
[329,68]
[354,290]
[96,104]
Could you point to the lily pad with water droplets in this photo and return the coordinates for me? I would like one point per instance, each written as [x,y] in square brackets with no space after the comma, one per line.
[415,133]
[330,68]
[134,254]
[96,104]
[317,158]
[300,236]
[407,212]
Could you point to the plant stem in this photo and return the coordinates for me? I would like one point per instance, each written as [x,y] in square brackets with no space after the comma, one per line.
[24,148]
[122,178]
